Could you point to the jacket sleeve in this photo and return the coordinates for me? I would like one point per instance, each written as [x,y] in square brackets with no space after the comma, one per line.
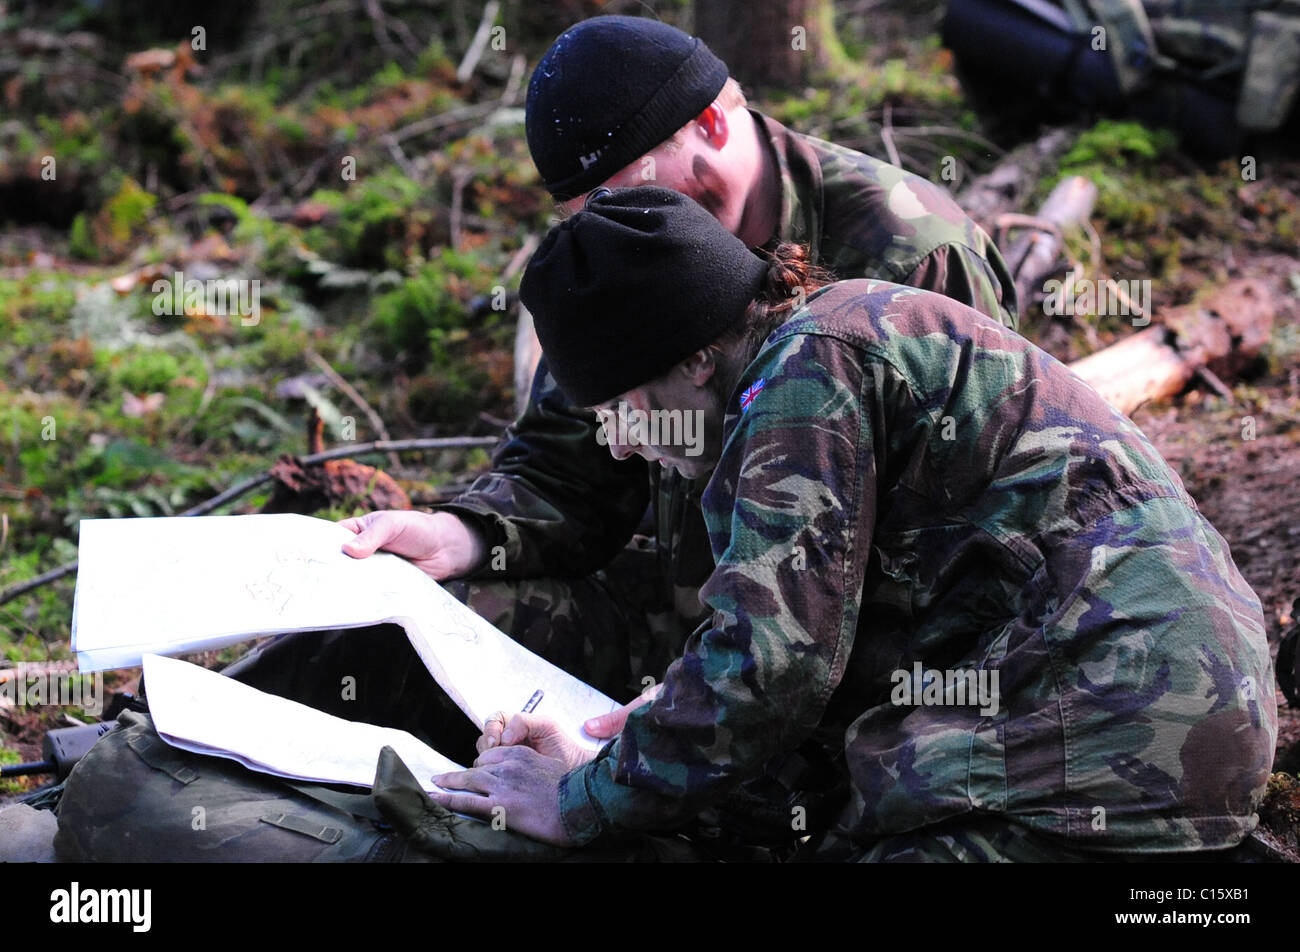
[555,499]
[794,489]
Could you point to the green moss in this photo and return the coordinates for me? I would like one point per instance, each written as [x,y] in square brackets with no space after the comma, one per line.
[107,234]
[128,210]
[1117,143]
[80,244]
[378,222]
[423,316]
[235,205]
[14,785]
[146,371]
[38,624]
[77,140]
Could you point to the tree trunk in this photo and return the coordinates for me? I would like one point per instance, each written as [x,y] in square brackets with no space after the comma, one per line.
[772,43]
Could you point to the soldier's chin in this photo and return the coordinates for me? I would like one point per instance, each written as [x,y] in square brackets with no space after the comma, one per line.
[690,468]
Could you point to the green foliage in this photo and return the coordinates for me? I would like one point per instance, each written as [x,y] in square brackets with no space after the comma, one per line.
[142,370]
[38,461]
[1283,351]
[1116,143]
[107,234]
[34,626]
[124,462]
[14,785]
[80,244]
[377,223]
[899,80]
[434,57]
[426,314]
[127,210]
[78,141]
[28,308]
[235,205]
[798,110]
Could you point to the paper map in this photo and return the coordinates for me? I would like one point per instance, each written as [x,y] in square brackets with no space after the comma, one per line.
[168,586]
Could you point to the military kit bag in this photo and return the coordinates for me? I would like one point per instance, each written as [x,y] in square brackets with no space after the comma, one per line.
[135,798]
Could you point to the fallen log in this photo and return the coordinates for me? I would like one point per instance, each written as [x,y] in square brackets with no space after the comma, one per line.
[1215,336]
[1036,253]
[1002,188]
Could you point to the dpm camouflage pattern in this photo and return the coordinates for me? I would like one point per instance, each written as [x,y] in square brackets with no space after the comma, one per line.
[561,507]
[864,218]
[915,485]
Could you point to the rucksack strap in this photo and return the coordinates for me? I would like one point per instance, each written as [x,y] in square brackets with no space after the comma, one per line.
[355,804]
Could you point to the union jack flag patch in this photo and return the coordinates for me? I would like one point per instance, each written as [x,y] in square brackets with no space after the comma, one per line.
[749,394]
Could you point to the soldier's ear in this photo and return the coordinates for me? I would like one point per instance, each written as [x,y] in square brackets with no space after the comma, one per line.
[713,123]
[700,367]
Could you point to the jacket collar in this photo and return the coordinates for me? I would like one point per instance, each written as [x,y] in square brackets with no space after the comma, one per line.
[801,184]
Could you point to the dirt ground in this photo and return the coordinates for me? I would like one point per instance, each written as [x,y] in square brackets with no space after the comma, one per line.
[1248,488]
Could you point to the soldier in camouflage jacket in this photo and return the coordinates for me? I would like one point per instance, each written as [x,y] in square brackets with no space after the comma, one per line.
[938,553]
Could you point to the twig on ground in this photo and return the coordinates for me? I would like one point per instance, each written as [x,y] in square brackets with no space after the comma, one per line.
[398,26]
[375,420]
[1214,382]
[400,158]
[479,43]
[887,136]
[520,257]
[308,180]
[379,25]
[1094,244]
[517,66]
[429,123]
[953,132]
[209,391]
[459,179]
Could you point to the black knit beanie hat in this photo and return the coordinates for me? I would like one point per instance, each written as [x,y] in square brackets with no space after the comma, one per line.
[608,91]
[631,285]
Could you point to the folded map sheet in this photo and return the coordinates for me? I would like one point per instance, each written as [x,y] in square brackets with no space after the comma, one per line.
[169,586]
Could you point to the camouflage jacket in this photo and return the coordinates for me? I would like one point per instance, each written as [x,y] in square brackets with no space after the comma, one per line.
[941,552]
[561,505]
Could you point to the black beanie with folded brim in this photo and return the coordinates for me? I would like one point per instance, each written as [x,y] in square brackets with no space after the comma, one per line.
[632,285]
[608,91]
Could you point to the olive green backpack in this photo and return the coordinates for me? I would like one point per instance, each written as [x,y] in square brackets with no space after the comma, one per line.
[135,798]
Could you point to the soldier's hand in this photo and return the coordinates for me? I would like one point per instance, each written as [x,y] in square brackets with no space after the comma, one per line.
[514,785]
[531,730]
[440,544]
[611,724]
